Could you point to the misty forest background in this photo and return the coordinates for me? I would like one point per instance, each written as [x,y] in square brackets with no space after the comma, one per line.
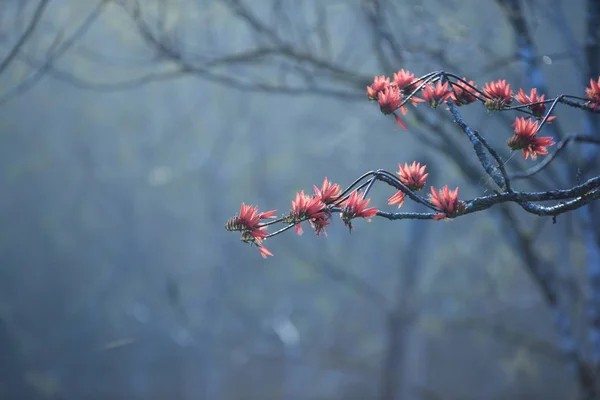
[130,132]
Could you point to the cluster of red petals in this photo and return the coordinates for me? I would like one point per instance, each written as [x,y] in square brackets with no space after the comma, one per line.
[314,209]
[328,193]
[403,80]
[413,176]
[525,138]
[463,94]
[436,95]
[390,95]
[308,208]
[248,221]
[379,83]
[593,93]
[499,93]
[389,99]
[537,108]
[356,206]
[447,201]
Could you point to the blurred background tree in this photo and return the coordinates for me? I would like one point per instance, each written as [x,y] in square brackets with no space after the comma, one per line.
[153,120]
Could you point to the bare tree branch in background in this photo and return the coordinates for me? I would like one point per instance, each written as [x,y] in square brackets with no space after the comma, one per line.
[14,51]
[17,50]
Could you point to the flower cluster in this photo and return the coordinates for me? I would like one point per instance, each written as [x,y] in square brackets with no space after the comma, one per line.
[525,138]
[317,208]
[447,201]
[356,207]
[413,177]
[314,209]
[463,92]
[436,95]
[499,95]
[391,95]
[535,103]
[307,208]
[248,221]
[496,96]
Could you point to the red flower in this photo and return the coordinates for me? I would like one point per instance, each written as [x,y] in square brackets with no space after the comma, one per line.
[447,202]
[463,94]
[328,192]
[538,110]
[247,221]
[593,93]
[499,93]
[390,95]
[379,83]
[354,207]
[389,100]
[436,95]
[403,79]
[306,208]
[413,176]
[525,138]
